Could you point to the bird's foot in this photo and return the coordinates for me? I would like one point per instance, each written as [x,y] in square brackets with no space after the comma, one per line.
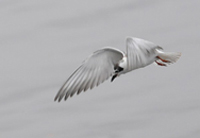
[163,60]
[160,64]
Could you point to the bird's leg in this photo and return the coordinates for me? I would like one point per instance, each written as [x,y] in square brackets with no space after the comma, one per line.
[163,60]
[160,64]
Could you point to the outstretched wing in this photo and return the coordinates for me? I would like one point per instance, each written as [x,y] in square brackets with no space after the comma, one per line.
[95,69]
[140,53]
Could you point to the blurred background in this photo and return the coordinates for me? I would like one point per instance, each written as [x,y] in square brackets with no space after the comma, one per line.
[43,42]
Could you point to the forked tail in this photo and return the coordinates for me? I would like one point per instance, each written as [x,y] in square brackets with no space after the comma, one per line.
[167,57]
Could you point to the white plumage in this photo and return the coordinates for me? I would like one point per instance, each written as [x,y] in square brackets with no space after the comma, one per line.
[108,62]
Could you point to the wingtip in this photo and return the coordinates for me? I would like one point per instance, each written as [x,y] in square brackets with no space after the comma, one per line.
[56,100]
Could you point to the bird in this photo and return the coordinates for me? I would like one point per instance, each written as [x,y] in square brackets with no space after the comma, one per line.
[111,62]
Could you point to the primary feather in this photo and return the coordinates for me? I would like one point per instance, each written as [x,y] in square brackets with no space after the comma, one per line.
[95,69]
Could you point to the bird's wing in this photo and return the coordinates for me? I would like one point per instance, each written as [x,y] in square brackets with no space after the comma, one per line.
[140,53]
[95,69]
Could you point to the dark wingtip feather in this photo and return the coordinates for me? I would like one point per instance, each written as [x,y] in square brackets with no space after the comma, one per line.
[56,97]
[60,98]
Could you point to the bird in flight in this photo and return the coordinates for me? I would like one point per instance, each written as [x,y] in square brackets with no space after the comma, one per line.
[111,62]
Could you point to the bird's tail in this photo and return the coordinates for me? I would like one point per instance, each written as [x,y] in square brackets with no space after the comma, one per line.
[168,57]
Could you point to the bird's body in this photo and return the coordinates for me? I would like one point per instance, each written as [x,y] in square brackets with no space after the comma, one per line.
[108,62]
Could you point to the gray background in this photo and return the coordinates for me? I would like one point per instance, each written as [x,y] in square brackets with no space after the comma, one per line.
[43,41]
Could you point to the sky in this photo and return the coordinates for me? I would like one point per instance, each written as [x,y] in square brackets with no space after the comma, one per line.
[43,42]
